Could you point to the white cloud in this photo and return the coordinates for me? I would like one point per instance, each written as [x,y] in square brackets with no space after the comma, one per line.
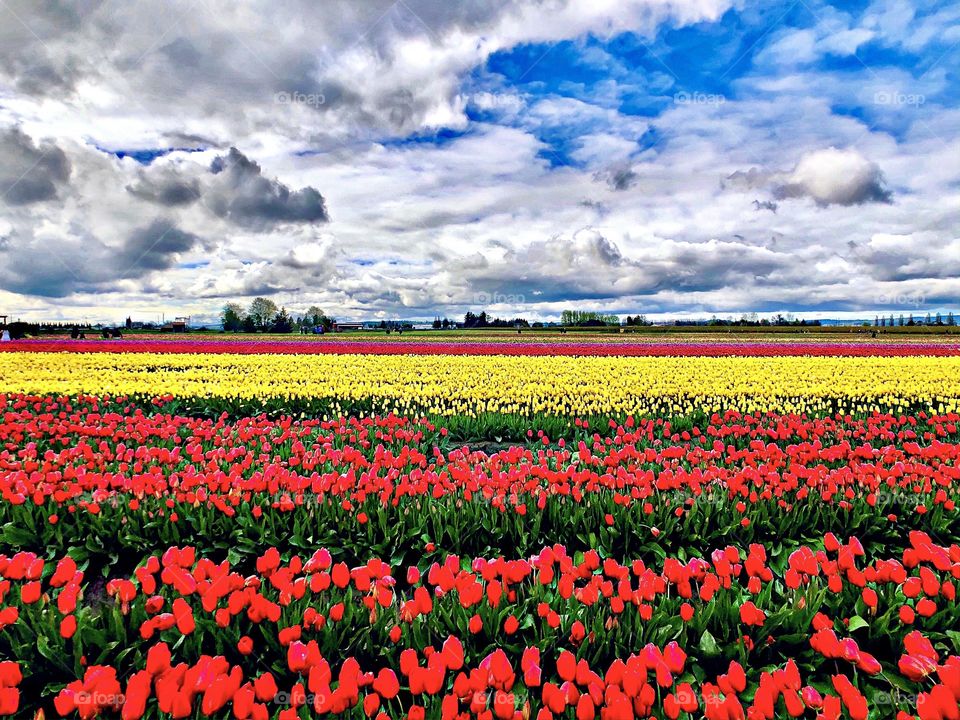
[832,176]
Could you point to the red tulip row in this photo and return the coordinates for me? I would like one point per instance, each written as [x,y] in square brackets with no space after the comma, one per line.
[249,346]
[829,634]
[75,452]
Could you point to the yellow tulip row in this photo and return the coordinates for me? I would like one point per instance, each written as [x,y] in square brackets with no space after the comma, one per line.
[469,385]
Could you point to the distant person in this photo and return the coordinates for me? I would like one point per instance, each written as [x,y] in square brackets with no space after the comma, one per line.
[5,337]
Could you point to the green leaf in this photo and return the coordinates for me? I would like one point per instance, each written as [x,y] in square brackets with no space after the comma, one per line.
[17,536]
[708,645]
[857,622]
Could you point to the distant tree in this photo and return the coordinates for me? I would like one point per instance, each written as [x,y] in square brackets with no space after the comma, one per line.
[248,325]
[587,318]
[446,323]
[19,329]
[262,311]
[911,322]
[437,324]
[876,321]
[929,320]
[939,320]
[900,320]
[129,322]
[232,317]
[281,322]
[471,320]
[891,319]
[950,321]
[315,317]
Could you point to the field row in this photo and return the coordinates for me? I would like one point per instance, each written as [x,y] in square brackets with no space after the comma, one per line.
[469,386]
[75,471]
[559,345]
[732,634]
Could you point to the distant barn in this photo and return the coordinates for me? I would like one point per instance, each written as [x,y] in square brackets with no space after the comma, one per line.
[343,326]
[177,325]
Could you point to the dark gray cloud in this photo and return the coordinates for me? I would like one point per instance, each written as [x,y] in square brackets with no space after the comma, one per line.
[31,54]
[590,266]
[765,205]
[241,194]
[165,187]
[920,256]
[618,178]
[153,247]
[30,172]
[58,267]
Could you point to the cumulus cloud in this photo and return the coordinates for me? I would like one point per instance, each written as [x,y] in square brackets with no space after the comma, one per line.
[240,193]
[363,65]
[829,177]
[586,265]
[153,247]
[56,265]
[913,256]
[165,187]
[30,172]
[835,177]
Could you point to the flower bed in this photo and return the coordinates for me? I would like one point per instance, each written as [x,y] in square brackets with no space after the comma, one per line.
[160,565]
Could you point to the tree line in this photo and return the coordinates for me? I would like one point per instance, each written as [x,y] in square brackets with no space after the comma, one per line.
[910,322]
[263,315]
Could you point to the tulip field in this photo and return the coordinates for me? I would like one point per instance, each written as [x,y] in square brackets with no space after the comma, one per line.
[393,530]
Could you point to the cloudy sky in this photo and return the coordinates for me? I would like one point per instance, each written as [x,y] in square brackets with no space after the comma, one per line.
[417,158]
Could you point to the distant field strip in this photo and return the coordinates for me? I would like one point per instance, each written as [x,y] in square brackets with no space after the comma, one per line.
[527,385]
